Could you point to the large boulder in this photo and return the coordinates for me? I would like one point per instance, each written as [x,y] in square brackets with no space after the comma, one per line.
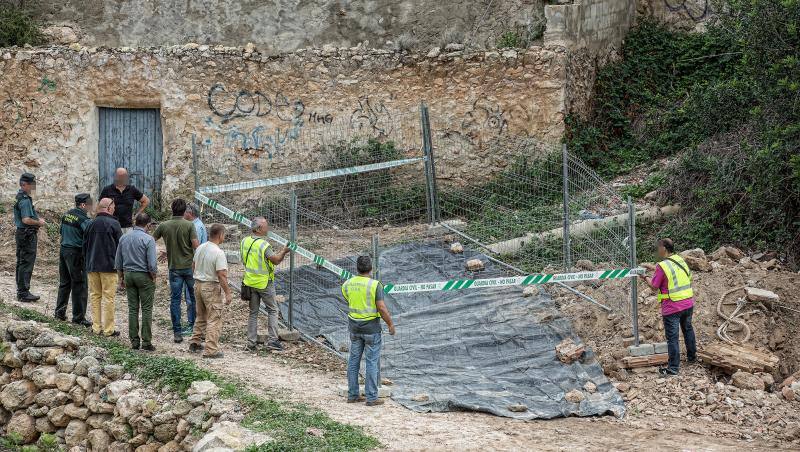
[83,366]
[18,394]
[51,398]
[44,376]
[43,425]
[65,381]
[166,432]
[98,440]
[77,412]
[696,260]
[24,425]
[20,330]
[116,389]
[58,417]
[129,405]
[229,436]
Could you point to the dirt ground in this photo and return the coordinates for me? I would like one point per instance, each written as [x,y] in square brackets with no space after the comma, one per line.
[309,374]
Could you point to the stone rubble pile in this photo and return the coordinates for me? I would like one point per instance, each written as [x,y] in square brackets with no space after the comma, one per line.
[60,385]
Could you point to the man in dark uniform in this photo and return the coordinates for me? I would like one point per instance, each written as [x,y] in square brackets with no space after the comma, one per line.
[124,194]
[28,224]
[71,271]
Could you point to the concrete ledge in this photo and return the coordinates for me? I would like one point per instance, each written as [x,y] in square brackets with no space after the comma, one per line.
[660,347]
[641,350]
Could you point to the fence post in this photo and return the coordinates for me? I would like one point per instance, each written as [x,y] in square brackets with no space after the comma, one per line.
[565,194]
[292,238]
[194,164]
[376,269]
[430,165]
[633,264]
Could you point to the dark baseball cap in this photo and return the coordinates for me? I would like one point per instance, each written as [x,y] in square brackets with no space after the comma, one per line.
[28,177]
[81,198]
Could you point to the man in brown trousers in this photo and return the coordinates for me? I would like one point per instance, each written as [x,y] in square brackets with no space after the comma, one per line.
[210,268]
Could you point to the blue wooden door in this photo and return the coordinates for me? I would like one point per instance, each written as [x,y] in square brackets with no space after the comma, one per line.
[131,138]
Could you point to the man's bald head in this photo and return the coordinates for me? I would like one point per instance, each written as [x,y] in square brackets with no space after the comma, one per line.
[260,226]
[106,205]
[121,177]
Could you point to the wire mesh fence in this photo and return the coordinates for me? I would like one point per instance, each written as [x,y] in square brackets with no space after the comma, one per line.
[358,183]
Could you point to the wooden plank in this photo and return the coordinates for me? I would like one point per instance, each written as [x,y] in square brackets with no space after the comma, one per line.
[736,357]
[632,362]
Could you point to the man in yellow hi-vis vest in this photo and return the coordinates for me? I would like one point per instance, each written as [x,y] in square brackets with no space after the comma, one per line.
[673,281]
[366,308]
[259,276]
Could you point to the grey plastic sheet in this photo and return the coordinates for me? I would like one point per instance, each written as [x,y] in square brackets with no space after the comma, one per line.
[476,349]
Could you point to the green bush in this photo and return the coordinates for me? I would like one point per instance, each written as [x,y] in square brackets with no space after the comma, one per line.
[727,102]
[18,28]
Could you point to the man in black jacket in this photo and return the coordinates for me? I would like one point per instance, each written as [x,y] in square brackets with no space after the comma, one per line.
[72,276]
[100,249]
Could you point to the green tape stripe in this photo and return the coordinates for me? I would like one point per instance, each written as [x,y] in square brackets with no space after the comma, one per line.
[388,288]
[605,274]
[448,285]
[545,279]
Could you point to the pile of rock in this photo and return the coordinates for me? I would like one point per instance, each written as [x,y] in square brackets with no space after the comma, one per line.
[57,384]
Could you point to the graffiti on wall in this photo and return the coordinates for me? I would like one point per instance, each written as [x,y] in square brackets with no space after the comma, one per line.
[485,120]
[372,116]
[320,118]
[242,104]
[697,10]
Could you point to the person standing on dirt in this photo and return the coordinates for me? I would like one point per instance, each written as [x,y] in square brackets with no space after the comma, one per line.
[673,281]
[137,268]
[71,270]
[28,223]
[364,297]
[210,268]
[193,214]
[259,281]
[180,237]
[100,249]
[124,194]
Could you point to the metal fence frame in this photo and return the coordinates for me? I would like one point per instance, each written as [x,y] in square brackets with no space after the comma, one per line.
[434,216]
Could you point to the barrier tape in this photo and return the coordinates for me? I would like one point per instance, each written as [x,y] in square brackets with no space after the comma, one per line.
[307,177]
[453,284]
[527,280]
[319,260]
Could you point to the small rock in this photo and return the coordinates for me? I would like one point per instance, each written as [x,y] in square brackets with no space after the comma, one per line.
[18,394]
[456,248]
[585,265]
[165,432]
[474,265]
[574,396]
[590,387]
[386,381]
[434,52]
[622,387]
[454,47]
[65,381]
[116,389]
[82,367]
[75,433]
[761,295]
[76,412]
[530,291]
[420,398]
[113,371]
[58,417]
[568,351]
[313,431]
[517,408]
[98,439]
[787,393]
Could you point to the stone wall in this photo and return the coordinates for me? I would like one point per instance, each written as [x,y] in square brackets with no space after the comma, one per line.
[55,384]
[249,114]
[282,26]
[685,15]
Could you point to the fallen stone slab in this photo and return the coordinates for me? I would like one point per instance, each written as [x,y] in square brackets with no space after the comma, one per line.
[289,335]
[757,295]
[641,350]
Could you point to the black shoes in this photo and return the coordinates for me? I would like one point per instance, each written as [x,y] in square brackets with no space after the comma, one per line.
[135,346]
[62,318]
[667,371]
[275,345]
[215,355]
[148,348]
[83,323]
[28,298]
[177,338]
[195,348]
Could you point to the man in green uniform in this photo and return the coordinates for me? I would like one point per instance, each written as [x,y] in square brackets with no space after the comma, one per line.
[71,271]
[28,224]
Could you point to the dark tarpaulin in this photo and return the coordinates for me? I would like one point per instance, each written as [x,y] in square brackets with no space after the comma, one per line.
[475,349]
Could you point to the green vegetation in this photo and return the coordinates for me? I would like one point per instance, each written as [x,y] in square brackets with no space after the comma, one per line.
[13,442]
[17,27]
[286,422]
[726,103]
[521,37]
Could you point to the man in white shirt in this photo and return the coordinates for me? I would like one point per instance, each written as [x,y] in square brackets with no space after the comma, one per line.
[210,270]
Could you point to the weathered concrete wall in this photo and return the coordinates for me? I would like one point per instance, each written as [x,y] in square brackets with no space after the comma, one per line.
[686,15]
[251,115]
[287,25]
[593,30]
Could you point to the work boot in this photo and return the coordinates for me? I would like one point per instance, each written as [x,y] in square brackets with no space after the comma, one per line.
[215,355]
[61,317]
[28,298]
[667,371]
[357,399]
[275,346]
[375,402]
[195,348]
[135,346]
[148,348]
[83,322]
[177,338]
[251,348]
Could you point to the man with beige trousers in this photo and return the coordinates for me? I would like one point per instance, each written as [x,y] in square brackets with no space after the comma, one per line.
[100,249]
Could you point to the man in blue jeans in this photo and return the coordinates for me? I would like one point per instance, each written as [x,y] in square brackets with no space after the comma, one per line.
[364,297]
[180,237]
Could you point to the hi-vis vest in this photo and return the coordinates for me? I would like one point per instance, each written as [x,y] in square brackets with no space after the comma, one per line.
[258,270]
[679,279]
[360,291]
